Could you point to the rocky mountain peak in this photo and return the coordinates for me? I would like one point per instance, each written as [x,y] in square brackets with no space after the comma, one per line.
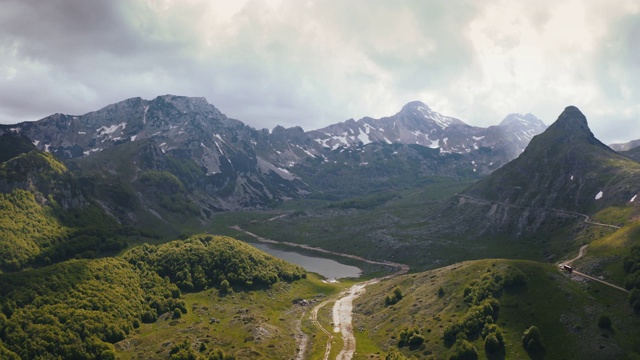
[528,120]
[572,119]
[415,106]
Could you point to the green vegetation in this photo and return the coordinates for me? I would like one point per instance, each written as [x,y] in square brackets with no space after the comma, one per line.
[532,341]
[489,304]
[464,350]
[631,265]
[365,202]
[33,234]
[252,324]
[204,261]
[78,308]
[604,322]
[396,296]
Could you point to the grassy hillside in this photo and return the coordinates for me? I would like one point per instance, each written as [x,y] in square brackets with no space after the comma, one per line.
[144,187]
[245,324]
[462,298]
[383,226]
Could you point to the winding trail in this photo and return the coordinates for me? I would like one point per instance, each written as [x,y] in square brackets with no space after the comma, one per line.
[587,218]
[343,307]
[582,252]
[314,320]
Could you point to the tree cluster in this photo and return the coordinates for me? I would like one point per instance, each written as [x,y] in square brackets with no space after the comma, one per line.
[78,308]
[484,309]
[411,338]
[204,261]
[394,297]
[32,234]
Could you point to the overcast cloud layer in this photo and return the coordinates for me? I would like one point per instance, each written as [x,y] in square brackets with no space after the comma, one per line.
[314,63]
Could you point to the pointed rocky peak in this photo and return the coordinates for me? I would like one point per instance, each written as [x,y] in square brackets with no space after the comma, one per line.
[418,109]
[572,119]
[187,104]
[571,129]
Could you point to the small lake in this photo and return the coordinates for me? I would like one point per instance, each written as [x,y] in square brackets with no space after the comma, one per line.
[328,268]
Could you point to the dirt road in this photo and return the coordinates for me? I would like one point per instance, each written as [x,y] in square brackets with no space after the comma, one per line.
[582,252]
[314,320]
[587,218]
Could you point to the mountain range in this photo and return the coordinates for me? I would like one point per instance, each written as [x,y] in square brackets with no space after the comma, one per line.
[417,187]
[197,160]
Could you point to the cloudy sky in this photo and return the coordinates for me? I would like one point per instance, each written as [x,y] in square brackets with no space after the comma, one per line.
[314,63]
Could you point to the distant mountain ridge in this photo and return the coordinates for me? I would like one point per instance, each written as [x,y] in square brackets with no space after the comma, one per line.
[223,164]
[418,124]
[625,146]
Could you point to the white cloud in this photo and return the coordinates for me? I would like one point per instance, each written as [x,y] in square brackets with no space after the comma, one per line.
[312,63]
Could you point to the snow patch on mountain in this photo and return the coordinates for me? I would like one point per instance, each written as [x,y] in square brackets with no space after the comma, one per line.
[108,130]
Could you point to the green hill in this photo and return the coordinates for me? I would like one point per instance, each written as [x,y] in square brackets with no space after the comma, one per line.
[204,261]
[143,187]
[45,217]
[79,308]
[439,305]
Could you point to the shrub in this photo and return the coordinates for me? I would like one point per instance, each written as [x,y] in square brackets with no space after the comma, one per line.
[410,337]
[514,278]
[225,287]
[396,296]
[177,314]
[493,338]
[394,354]
[492,344]
[604,322]
[532,340]
[464,350]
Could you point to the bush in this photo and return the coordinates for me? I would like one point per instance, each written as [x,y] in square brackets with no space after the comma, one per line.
[183,351]
[492,344]
[532,340]
[514,278]
[411,338]
[604,322]
[493,338]
[177,314]
[394,298]
[394,354]
[464,350]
